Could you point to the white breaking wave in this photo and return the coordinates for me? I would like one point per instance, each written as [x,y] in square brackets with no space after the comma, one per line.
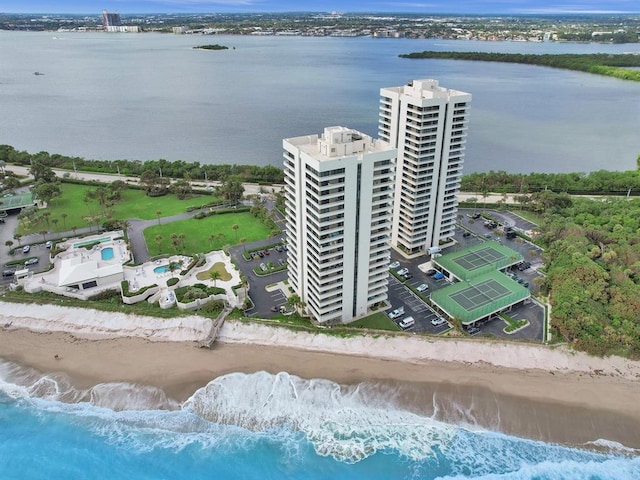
[346,423]
[612,469]
[20,382]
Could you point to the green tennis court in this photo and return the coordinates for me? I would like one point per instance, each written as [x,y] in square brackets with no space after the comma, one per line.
[472,300]
[18,200]
[480,294]
[477,260]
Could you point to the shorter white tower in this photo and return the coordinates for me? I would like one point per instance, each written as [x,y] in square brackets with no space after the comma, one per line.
[339,194]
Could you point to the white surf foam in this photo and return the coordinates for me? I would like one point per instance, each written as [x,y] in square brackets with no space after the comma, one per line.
[17,381]
[346,423]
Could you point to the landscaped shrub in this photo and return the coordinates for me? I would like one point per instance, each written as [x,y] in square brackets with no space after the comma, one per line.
[172,281]
[105,295]
[127,293]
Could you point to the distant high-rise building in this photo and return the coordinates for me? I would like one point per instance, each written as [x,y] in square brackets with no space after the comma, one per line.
[428,126]
[339,193]
[110,19]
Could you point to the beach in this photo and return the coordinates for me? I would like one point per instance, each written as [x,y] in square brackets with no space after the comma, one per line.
[537,392]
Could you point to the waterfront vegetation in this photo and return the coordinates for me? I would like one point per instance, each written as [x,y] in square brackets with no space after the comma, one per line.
[598,63]
[178,169]
[211,47]
[601,182]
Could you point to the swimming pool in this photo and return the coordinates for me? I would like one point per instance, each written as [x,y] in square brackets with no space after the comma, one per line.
[106,253]
[161,269]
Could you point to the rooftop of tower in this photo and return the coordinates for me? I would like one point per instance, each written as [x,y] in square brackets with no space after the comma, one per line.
[427,89]
[337,142]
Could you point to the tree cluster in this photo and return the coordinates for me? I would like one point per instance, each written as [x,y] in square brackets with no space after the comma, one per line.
[592,261]
[591,63]
[602,182]
[164,168]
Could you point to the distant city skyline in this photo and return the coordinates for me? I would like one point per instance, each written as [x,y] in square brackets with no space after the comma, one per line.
[249,6]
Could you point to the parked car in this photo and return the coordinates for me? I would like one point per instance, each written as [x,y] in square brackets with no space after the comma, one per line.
[422,287]
[436,322]
[274,309]
[473,330]
[466,234]
[49,244]
[278,248]
[26,249]
[394,265]
[431,272]
[31,261]
[8,273]
[407,276]
[396,313]
[263,267]
[260,254]
[406,323]
[475,216]
[438,276]
[266,251]
[403,271]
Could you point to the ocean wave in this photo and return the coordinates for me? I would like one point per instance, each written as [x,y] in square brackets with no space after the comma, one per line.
[610,469]
[17,381]
[346,423]
[291,416]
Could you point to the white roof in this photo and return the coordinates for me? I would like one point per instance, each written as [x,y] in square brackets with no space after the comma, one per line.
[74,271]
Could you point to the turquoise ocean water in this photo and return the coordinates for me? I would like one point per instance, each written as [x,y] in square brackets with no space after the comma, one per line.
[261,426]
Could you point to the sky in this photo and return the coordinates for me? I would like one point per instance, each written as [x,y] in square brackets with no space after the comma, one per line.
[248,6]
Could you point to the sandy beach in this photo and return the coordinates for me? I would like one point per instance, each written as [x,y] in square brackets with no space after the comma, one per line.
[532,391]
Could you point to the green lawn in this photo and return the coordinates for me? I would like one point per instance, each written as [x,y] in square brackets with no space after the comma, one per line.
[134,204]
[197,233]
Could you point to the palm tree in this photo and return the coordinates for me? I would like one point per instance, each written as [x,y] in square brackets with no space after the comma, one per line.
[220,236]
[17,237]
[235,227]
[215,275]
[294,301]
[74,228]
[158,214]
[44,235]
[181,240]
[158,240]
[9,243]
[64,219]
[55,222]
[243,242]
[211,238]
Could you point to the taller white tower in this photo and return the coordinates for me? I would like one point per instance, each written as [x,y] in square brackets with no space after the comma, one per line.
[428,126]
[339,194]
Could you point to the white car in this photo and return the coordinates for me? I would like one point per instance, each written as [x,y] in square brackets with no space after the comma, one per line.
[436,322]
[422,287]
[394,265]
[406,323]
[403,271]
[396,313]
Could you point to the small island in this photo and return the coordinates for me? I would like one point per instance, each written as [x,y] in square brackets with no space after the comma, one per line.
[598,63]
[211,47]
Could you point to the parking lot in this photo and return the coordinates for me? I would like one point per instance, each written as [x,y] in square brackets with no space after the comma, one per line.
[401,295]
[423,314]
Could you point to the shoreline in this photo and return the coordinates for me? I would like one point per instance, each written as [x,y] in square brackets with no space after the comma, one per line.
[510,388]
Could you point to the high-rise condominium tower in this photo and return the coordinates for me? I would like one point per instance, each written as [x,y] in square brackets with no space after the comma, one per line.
[428,125]
[339,193]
